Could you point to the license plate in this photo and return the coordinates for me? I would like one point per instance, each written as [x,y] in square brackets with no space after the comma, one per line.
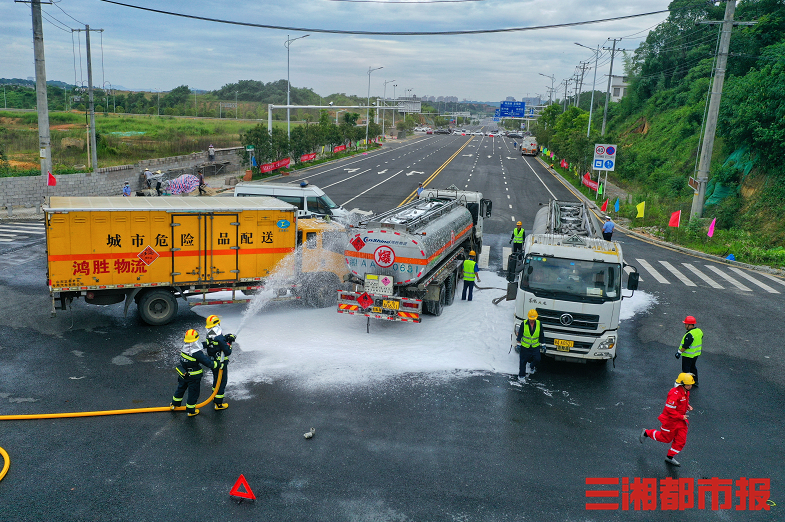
[376,309]
[391,305]
[562,345]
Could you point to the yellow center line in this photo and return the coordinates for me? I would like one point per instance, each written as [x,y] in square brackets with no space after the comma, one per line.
[410,197]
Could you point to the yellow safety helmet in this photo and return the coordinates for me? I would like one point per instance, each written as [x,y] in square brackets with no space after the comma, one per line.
[212,321]
[519,223]
[472,253]
[685,378]
[533,314]
[191,336]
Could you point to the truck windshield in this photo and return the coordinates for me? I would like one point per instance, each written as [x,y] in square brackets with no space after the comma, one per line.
[571,279]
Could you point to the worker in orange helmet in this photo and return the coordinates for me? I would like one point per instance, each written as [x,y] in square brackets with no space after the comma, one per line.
[674,418]
[690,348]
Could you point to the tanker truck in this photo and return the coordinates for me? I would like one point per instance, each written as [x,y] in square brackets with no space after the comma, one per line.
[408,260]
[572,277]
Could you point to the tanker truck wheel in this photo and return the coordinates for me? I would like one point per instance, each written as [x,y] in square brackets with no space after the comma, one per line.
[451,285]
[157,307]
[437,307]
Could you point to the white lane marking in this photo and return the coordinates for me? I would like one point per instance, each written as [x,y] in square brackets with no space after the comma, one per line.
[675,271]
[5,228]
[510,206]
[363,192]
[653,271]
[541,181]
[752,280]
[4,240]
[728,278]
[341,181]
[777,279]
[512,217]
[484,258]
[629,270]
[506,251]
[708,280]
[508,196]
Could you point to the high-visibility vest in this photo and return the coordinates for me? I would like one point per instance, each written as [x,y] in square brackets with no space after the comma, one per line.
[518,235]
[694,349]
[530,340]
[468,270]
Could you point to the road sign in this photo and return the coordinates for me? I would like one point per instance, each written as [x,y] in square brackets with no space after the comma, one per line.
[249,148]
[496,119]
[694,184]
[604,157]
[242,490]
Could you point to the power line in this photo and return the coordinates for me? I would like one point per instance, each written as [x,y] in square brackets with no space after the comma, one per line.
[68,15]
[54,22]
[386,33]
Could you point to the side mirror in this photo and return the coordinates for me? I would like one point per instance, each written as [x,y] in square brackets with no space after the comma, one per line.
[632,281]
[512,291]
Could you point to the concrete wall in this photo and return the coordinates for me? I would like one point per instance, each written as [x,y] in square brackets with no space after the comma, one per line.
[30,191]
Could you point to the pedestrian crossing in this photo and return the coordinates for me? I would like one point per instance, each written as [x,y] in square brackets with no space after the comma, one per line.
[720,278]
[21,231]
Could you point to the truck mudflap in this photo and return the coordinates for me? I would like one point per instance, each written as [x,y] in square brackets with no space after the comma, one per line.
[391,308]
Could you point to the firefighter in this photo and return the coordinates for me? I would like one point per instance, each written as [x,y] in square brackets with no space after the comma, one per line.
[674,418]
[192,358]
[219,348]
[518,235]
[531,337]
[470,273]
[690,348]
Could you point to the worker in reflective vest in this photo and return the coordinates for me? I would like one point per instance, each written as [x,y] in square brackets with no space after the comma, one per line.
[470,273]
[189,371]
[673,419]
[518,235]
[531,337]
[690,347]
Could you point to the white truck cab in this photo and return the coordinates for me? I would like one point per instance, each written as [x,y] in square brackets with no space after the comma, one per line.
[310,200]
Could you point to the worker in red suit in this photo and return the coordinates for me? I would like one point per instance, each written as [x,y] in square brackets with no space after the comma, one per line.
[674,418]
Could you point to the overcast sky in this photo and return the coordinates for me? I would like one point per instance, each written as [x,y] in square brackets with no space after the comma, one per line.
[144,50]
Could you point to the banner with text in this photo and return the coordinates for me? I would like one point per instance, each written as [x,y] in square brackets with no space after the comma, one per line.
[308,157]
[339,148]
[589,183]
[267,167]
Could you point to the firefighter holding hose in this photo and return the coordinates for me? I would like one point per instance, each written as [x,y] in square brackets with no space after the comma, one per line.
[189,371]
[219,348]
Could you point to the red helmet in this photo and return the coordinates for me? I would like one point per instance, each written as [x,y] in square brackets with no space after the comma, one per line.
[689,320]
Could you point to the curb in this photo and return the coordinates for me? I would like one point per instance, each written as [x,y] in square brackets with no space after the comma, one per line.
[659,242]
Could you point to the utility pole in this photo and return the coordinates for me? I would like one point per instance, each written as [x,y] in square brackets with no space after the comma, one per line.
[584,66]
[42,104]
[94,150]
[608,90]
[714,106]
[566,86]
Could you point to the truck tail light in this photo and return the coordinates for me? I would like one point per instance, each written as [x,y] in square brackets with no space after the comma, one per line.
[90,295]
[409,305]
[348,297]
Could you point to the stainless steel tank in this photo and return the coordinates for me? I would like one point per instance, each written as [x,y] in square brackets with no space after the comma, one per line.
[407,242]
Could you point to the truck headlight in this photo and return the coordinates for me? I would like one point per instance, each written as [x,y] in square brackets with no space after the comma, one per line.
[607,344]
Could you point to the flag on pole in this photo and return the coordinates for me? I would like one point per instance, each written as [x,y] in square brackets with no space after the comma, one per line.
[641,208]
[604,207]
[675,219]
[616,206]
[52,181]
[599,189]
[253,161]
[711,227]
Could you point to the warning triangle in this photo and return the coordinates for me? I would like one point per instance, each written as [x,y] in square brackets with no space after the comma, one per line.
[242,483]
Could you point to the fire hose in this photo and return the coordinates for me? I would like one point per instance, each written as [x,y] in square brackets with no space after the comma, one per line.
[97,414]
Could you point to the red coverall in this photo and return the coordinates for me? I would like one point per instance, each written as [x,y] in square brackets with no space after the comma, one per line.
[674,426]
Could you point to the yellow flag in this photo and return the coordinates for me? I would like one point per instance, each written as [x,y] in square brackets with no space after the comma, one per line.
[641,207]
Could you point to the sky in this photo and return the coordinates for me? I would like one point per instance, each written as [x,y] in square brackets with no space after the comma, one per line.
[335,350]
[148,51]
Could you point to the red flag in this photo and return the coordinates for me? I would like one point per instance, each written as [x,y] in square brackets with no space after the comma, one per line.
[675,219]
[711,227]
[52,181]
[604,207]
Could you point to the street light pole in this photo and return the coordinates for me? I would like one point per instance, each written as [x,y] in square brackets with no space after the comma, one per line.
[288,84]
[368,104]
[385,102]
[158,110]
[235,105]
[552,77]
[395,100]
[593,85]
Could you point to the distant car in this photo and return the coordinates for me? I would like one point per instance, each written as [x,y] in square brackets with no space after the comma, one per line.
[429,131]
[478,133]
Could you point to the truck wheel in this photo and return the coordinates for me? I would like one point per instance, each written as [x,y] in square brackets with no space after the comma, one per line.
[437,307]
[450,285]
[321,291]
[157,307]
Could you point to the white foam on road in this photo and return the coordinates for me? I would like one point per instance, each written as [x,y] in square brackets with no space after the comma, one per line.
[322,348]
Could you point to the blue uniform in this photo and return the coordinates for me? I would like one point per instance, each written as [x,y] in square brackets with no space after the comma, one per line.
[189,372]
[219,350]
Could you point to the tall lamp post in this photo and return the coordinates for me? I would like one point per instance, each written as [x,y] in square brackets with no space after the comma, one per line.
[395,100]
[385,101]
[235,105]
[288,84]
[594,84]
[368,106]
[158,110]
[114,105]
[552,77]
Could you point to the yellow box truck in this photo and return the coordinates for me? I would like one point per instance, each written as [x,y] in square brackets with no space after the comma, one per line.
[156,250]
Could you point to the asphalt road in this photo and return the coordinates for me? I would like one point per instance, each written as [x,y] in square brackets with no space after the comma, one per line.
[480,448]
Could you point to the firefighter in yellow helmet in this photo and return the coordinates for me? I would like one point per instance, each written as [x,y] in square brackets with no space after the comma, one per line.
[518,235]
[673,419]
[219,348]
[470,273]
[189,371]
